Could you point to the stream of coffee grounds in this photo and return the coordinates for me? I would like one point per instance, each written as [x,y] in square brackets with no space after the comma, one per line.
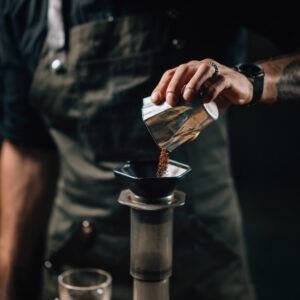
[162,163]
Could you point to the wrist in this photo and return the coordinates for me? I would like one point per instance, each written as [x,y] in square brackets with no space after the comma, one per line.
[255,74]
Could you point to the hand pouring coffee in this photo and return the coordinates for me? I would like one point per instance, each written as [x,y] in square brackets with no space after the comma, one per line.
[171,126]
[152,199]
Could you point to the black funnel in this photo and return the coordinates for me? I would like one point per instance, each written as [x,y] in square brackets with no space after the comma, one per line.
[140,177]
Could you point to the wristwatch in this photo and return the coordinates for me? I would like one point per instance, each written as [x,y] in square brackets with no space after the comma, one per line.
[256,75]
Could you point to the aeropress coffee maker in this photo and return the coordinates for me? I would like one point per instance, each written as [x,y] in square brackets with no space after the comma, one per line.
[152,199]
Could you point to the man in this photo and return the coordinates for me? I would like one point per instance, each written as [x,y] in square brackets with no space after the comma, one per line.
[98,61]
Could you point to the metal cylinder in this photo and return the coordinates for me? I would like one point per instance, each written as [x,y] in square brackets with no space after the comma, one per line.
[151,244]
[150,290]
[170,126]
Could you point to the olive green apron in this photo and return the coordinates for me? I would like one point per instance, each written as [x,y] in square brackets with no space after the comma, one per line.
[93,108]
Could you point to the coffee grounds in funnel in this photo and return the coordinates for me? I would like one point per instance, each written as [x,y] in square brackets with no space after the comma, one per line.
[163,162]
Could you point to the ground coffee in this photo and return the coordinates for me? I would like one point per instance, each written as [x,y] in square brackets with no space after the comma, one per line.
[163,162]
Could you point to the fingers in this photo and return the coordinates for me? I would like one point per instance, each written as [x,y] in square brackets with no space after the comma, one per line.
[188,79]
[193,88]
[217,87]
[171,84]
[159,93]
[222,103]
[194,137]
[181,76]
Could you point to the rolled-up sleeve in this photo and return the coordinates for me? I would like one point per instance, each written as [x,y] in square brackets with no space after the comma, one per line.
[21,123]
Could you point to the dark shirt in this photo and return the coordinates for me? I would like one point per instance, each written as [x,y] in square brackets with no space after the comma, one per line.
[23,29]
[1,94]
[22,34]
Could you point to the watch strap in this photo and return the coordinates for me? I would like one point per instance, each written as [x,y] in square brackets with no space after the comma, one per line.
[256,78]
[258,87]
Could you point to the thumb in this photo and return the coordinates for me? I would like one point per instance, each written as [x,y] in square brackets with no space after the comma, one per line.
[194,137]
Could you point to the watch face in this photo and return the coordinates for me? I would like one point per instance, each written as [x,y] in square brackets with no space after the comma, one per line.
[251,70]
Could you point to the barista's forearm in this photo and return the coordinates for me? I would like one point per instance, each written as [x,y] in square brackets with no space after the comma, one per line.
[27,184]
[282,79]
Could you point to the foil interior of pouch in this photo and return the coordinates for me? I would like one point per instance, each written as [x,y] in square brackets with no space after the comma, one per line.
[170,126]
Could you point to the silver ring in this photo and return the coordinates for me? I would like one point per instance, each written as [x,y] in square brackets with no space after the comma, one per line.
[216,68]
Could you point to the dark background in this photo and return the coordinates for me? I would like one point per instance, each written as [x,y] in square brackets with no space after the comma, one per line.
[265,142]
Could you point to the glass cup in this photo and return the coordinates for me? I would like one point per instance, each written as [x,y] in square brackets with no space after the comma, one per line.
[84,284]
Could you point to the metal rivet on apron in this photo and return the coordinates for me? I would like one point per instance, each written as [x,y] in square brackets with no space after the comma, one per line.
[86,227]
[48,264]
[178,43]
[57,66]
[173,13]
[110,18]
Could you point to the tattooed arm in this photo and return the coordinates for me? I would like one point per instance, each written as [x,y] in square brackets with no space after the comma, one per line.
[282,79]
[282,82]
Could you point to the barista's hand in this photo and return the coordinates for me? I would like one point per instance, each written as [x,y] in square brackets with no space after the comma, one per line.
[198,78]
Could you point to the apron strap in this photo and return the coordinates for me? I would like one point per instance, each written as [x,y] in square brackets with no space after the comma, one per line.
[56,37]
